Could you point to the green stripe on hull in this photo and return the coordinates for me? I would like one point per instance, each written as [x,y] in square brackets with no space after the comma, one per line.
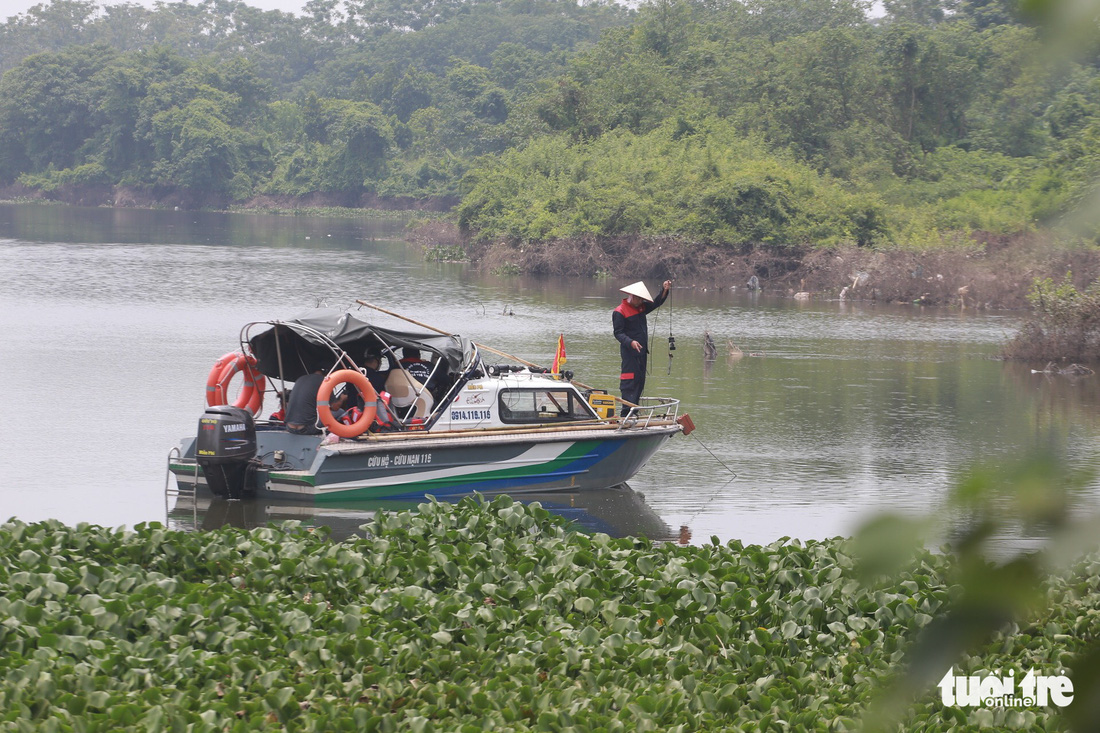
[308,479]
[594,462]
[453,482]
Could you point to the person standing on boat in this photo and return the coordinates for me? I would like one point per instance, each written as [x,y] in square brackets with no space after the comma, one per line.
[631,329]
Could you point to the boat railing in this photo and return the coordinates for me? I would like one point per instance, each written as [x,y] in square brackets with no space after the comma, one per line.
[650,410]
[179,491]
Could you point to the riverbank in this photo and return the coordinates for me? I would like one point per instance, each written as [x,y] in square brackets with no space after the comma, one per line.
[981,272]
[483,616]
[173,198]
[985,272]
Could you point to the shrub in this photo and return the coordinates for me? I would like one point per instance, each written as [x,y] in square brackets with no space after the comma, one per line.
[1065,325]
[712,186]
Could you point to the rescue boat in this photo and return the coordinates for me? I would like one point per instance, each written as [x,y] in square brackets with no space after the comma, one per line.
[491,428]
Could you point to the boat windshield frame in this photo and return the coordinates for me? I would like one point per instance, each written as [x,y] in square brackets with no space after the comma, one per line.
[339,354]
[341,359]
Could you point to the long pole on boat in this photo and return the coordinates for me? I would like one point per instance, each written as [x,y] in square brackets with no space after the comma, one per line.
[480,346]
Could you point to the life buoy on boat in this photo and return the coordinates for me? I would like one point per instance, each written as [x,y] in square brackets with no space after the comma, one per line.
[214,394]
[222,373]
[324,411]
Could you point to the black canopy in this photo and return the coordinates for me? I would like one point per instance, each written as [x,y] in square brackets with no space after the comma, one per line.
[306,343]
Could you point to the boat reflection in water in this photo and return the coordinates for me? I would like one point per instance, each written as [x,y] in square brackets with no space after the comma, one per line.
[618,511]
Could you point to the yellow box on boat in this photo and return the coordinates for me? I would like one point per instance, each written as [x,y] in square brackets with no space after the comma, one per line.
[602,403]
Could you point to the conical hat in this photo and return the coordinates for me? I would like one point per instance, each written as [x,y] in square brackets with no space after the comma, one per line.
[638,289]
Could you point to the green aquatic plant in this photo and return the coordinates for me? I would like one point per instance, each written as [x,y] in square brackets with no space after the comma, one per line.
[508,269]
[481,615]
[445,253]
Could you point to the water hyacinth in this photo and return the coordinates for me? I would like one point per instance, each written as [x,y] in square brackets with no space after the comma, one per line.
[477,616]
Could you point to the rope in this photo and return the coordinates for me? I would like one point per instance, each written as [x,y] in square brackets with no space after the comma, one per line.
[671,338]
[708,450]
[714,493]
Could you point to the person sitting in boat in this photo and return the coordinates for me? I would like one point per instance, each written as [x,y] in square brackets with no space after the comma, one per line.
[280,414]
[349,398]
[301,410]
[628,323]
[404,390]
[354,403]
[372,361]
[383,419]
[417,368]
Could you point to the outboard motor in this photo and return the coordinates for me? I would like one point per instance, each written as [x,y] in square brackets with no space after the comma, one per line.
[224,450]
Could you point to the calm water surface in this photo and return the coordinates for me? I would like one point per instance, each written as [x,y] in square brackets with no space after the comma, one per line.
[111,320]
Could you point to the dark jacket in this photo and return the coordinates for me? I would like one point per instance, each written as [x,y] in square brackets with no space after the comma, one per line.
[629,323]
[302,407]
[417,369]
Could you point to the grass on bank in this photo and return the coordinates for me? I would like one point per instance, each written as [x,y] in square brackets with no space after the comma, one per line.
[490,616]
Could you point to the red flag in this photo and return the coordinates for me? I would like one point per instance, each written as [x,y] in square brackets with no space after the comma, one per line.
[559,357]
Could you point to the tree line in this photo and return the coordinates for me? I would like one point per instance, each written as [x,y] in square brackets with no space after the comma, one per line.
[739,122]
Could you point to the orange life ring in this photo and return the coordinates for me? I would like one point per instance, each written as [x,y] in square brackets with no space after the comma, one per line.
[324,394]
[215,395]
[225,368]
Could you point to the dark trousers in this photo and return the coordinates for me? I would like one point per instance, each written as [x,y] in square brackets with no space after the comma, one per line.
[632,378]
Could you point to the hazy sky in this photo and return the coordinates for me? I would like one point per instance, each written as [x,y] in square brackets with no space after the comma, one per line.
[9,8]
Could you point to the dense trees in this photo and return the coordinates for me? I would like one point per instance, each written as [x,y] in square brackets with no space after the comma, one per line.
[694,178]
[736,121]
[395,97]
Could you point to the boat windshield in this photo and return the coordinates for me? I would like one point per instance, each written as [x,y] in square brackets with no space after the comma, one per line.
[535,405]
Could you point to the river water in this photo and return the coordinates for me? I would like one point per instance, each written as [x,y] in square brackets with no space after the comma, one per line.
[833,413]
